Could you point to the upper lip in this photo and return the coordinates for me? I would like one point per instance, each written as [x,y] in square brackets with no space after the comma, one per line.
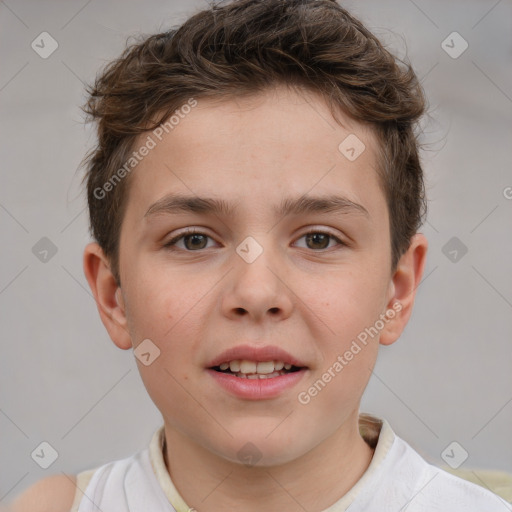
[258,354]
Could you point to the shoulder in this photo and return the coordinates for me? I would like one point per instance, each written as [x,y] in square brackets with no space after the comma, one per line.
[432,488]
[55,493]
[461,494]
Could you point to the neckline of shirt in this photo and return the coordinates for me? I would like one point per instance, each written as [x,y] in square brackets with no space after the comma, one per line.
[376,432]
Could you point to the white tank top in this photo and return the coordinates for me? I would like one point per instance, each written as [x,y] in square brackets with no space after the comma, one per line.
[126,485]
[398,478]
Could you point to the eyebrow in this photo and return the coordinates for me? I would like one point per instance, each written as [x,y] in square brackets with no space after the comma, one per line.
[174,203]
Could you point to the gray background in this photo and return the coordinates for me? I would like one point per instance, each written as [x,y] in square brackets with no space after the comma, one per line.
[64,382]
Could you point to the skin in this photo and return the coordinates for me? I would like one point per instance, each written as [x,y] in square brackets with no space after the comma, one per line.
[309,300]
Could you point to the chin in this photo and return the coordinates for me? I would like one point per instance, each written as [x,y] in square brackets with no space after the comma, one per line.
[263,447]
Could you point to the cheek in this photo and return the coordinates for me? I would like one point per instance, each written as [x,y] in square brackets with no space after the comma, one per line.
[173,317]
[340,381]
[168,386]
[348,303]
[160,305]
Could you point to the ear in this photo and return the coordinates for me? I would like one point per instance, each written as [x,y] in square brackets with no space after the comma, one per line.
[402,288]
[108,295]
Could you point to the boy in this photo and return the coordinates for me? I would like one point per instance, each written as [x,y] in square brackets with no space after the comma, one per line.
[280,135]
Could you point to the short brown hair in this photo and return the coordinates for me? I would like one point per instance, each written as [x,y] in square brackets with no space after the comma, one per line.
[245,47]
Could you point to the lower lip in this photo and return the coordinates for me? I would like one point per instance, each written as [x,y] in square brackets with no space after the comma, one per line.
[257,389]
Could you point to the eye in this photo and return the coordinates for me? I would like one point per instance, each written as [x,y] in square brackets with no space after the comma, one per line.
[319,240]
[192,241]
[195,240]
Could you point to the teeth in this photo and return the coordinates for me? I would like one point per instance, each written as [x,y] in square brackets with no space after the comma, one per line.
[260,376]
[248,366]
[265,367]
[272,375]
[255,369]
[234,366]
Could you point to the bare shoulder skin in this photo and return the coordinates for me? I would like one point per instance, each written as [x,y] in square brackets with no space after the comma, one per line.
[52,494]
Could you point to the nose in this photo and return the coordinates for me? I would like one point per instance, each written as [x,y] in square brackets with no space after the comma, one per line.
[258,289]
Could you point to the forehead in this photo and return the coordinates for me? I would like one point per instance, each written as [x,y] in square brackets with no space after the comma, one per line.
[281,142]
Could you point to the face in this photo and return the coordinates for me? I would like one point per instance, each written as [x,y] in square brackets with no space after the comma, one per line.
[283,276]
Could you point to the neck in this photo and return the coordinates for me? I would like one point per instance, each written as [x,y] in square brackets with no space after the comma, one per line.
[313,482]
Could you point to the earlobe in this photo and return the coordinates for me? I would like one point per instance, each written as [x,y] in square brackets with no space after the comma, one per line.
[403,288]
[107,294]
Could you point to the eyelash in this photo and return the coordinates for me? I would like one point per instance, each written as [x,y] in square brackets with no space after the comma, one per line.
[170,245]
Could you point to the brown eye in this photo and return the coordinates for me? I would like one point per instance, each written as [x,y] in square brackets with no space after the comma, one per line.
[318,240]
[195,241]
[191,242]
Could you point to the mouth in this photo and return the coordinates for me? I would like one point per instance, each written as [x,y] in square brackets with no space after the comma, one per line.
[256,373]
[246,369]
